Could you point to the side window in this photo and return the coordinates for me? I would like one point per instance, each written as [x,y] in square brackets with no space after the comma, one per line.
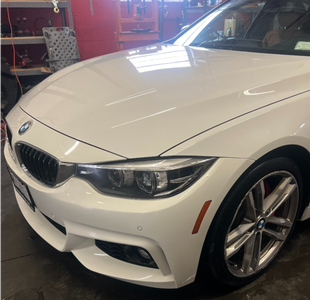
[286,24]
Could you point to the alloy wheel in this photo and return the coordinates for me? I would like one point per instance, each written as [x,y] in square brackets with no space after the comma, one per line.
[261,223]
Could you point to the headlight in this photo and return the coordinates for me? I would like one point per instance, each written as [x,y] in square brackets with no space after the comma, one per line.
[160,177]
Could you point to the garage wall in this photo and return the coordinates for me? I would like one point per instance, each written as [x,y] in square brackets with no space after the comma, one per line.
[95,33]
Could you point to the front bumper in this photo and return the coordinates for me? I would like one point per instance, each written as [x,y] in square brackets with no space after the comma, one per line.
[163,227]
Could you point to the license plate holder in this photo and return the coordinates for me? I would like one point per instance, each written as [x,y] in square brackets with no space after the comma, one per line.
[22,189]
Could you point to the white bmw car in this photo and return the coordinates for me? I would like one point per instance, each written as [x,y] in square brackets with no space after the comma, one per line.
[149,163]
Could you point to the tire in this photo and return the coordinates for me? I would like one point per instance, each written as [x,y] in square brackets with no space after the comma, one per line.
[253,223]
[9,92]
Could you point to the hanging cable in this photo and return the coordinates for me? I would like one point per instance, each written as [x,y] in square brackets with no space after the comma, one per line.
[14,62]
[3,133]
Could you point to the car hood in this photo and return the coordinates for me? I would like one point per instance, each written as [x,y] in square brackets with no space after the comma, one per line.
[142,102]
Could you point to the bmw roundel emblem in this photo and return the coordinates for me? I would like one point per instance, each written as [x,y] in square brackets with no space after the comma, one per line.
[261,224]
[24,127]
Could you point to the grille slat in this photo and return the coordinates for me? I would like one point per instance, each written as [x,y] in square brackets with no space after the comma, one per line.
[48,167]
[32,159]
[45,168]
[30,164]
[54,169]
[23,153]
[35,164]
[29,157]
[40,165]
[26,152]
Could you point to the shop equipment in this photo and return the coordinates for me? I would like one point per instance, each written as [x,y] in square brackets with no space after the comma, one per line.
[137,19]
[26,61]
[62,48]
[19,30]
[26,31]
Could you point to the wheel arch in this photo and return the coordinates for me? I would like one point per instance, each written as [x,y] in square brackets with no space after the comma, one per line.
[298,154]
[302,159]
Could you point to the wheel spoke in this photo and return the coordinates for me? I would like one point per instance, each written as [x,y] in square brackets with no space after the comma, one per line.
[279,221]
[275,235]
[239,232]
[259,196]
[235,247]
[281,193]
[251,209]
[248,254]
[256,253]
[252,249]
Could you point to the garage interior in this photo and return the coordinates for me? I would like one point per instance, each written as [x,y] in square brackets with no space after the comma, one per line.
[31,269]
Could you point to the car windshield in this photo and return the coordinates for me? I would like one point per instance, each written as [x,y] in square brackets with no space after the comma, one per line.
[272,26]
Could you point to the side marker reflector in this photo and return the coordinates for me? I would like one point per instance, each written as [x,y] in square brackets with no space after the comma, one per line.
[201,216]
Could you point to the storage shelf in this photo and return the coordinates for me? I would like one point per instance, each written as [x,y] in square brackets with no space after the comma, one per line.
[199,9]
[127,21]
[27,40]
[195,9]
[34,70]
[33,4]
[65,8]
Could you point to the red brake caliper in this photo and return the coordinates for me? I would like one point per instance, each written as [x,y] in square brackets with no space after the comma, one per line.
[267,191]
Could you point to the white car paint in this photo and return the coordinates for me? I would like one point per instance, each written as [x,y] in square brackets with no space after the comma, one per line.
[111,96]
[259,132]
[158,100]
[88,215]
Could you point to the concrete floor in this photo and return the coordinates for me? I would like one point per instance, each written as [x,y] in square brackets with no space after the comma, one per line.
[33,270]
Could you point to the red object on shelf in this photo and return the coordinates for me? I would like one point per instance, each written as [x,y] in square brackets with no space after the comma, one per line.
[32,14]
[3,134]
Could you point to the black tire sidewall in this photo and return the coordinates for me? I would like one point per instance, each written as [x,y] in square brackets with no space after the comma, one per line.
[212,258]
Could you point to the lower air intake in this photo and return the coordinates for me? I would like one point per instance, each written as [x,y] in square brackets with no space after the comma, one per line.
[130,254]
[56,225]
